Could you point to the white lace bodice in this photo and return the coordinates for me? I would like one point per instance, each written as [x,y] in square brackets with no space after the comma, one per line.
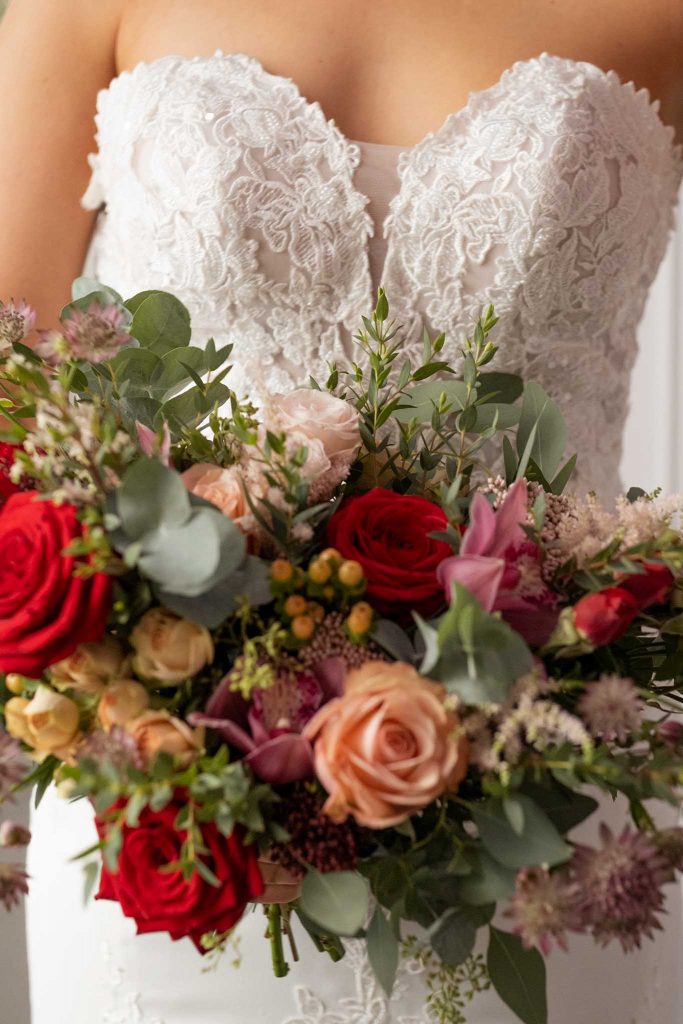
[550,194]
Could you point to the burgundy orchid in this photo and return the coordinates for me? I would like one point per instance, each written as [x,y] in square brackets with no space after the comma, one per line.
[268,730]
[501,567]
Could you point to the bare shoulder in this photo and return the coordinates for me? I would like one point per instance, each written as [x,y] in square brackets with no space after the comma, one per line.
[67,23]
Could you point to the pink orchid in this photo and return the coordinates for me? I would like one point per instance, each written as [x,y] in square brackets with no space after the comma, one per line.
[501,567]
[153,445]
[268,730]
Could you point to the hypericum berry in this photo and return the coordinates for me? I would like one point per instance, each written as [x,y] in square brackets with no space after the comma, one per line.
[331,555]
[295,605]
[15,683]
[319,571]
[303,627]
[350,574]
[359,620]
[316,611]
[282,570]
[328,593]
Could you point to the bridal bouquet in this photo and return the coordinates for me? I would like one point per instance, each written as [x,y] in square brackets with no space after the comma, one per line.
[352,654]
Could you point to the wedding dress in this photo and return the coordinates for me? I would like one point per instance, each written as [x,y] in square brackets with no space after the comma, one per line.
[550,194]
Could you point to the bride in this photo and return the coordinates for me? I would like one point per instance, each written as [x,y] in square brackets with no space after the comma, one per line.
[271,164]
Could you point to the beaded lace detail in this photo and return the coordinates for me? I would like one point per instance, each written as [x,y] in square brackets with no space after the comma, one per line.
[551,193]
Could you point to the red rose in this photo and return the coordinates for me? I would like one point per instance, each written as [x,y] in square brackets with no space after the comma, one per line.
[161,901]
[388,534]
[7,488]
[604,616]
[649,587]
[45,611]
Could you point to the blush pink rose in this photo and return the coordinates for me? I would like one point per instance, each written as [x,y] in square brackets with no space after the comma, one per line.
[320,417]
[222,487]
[388,747]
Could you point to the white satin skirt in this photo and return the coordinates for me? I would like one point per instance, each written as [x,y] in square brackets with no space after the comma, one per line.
[87,966]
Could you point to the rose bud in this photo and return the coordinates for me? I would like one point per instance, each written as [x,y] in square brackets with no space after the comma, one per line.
[121,702]
[90,666]
[12,834]
[157,731]
[15,719]
[168,649]
[52,720]
[603,617]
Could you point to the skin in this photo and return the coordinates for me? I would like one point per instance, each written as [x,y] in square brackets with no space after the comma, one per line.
[386,71]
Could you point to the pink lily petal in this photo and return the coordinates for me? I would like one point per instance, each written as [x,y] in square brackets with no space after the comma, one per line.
[285,758]
[331,674]
[509,516]
[226,729]
[479,575]
[480,536]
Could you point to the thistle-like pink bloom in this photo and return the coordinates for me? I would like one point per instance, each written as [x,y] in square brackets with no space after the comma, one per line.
[116,748]
[96,334]
[620,887]
[16,321]
[543,908]
[611,708]
[11,770]
[501,567]
[13,834]
[13,883]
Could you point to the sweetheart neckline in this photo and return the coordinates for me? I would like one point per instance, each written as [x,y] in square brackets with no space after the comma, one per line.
[642,94]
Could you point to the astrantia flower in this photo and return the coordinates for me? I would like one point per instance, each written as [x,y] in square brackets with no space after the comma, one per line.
[620,887]
[543,908]
[16,321]
[611,708]
[11,771]
[115,747]
[13,834]
[96,334]
[13,883]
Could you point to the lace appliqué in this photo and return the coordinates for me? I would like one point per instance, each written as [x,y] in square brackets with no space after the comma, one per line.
[125,1006]
[550,194]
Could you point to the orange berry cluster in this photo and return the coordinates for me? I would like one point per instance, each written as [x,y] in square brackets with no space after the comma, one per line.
[329,583]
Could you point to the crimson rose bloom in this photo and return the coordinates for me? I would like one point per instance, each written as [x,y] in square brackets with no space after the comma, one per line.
[45,611]
[604,616]
[388,534]
[164,901]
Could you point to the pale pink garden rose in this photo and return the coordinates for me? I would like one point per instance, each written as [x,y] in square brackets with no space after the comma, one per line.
[121,702]
[388,747]
[157,731]
[224,488]
[90,667]
[320,417]
[168,649]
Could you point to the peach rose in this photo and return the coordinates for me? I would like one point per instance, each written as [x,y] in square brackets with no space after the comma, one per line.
[222,487]
[320,416]
[90,667]
[120,702]
[388,747]
[168,649]
[15,719]
[52,721]
[157,731]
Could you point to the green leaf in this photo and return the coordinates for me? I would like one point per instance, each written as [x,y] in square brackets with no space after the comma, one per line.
[151,494]
[161,323]
[539,842]
[489,882]
[337,901]
[91,872]
[135,365]
[565,808]
[518,976]
[510,461]
[453,937]
[563,477]
[83,286]
[541,412]
[503,387]
[383,951]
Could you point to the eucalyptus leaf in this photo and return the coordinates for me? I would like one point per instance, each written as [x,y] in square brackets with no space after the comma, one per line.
[337,901]
[160,322]
[150,494]
[383,950]
[539,411]
[490,882]
[539,842]
[453,937]
[83,286]
[518,976]
[394,640]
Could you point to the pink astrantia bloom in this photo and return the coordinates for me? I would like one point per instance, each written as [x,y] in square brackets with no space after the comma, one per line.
[13,883]
[501,567]
[13,834]
[621,887]
[611,708]
[543,908]
[95,334]
[268,731]
[154,446]
[16,321]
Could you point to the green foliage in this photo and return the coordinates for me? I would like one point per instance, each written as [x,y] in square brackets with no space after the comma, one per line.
[516,833]
[337,901]
[518,976]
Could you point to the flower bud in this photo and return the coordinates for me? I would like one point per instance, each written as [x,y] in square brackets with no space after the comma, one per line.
[350,574]
[12,834]
[121,702]
[331,555]
[15,683]
[295,605]
[319,571]
[90,667]
[52,720]
[282,570]
[15,719]
[359,621]
[303,627]
[158,731]
[168,649]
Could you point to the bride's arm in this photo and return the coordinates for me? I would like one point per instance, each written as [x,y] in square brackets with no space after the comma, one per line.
[54,56]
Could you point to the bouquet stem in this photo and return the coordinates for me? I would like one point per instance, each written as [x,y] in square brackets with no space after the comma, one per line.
[280,965]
